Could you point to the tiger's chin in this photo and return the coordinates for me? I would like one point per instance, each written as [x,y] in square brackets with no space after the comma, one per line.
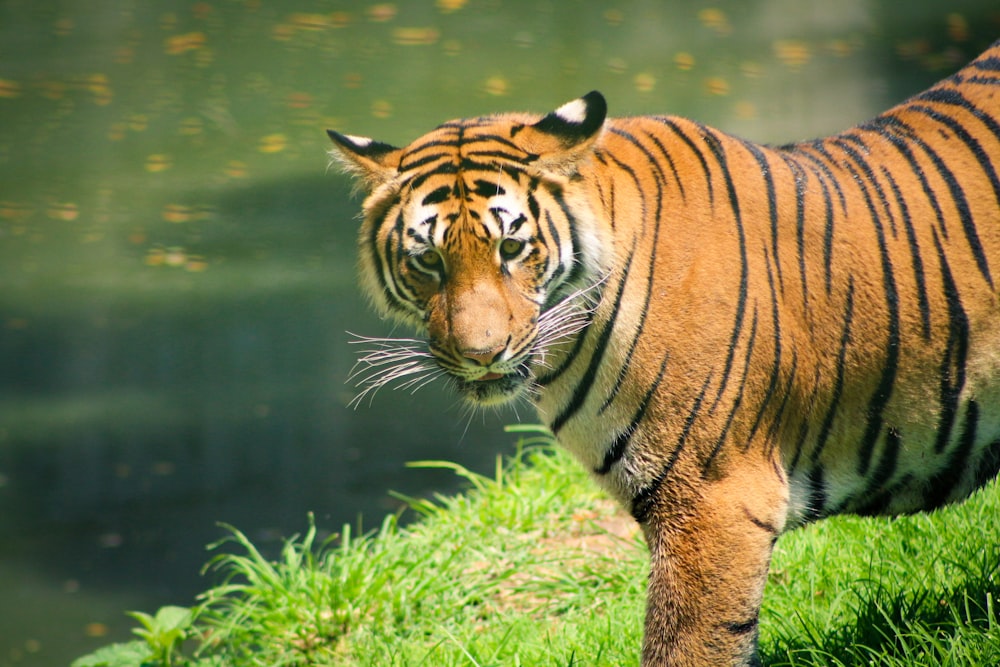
[494,391]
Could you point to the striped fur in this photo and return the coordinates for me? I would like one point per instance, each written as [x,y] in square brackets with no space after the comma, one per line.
[735,339]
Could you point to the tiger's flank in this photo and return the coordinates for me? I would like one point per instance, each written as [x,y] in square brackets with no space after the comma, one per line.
[735,339]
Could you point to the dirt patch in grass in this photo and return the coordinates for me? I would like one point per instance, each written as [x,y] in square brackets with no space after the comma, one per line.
[559,566]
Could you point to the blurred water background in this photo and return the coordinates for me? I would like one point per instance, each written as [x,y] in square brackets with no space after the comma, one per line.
[177,263]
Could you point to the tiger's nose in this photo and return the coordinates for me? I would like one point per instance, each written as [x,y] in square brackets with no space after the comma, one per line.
[483,357]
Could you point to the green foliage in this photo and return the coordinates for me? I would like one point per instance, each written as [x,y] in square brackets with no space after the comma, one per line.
[164,632]
[130,654]
[533,566]
[161,635]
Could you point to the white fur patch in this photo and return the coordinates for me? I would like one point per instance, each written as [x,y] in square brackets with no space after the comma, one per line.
[573,112]
[508,209]
[360,142]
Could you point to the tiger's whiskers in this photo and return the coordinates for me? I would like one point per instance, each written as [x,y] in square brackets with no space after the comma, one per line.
[404,361]
[566,318]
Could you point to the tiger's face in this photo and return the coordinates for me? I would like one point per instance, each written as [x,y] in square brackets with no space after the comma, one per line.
[474,235]
[470,266]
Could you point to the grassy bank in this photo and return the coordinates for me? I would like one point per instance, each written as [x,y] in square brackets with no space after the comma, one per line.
[534,566]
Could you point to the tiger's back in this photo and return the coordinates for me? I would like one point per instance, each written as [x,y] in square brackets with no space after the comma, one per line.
[735,339]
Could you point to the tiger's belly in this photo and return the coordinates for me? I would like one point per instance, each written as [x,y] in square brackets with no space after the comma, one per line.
[912,468]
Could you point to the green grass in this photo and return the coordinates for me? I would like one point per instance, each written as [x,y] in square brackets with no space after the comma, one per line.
[534,566]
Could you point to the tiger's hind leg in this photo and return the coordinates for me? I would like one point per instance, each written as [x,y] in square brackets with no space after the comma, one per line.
[709,558]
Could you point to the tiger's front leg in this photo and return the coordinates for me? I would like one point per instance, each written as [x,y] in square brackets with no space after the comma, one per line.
[710,550]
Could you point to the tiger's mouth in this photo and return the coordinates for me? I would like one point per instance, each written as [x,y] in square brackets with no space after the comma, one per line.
[494,388]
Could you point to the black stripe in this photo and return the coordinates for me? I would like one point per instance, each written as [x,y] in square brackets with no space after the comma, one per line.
[740,628]
[642,501]
[801,438]
[772,204]
[816,505]
[616,451]
[418,180]
[800,232]
[955,98]
[400,290]
[873,496]
[586,381]
[670,162]
[958,199]
[861,153]
[488,188]
[918,264]
[494,138]
[989,464]
[555,373]
[570,357]
[490,166]
[556,255]
[776,364]
[941,486]
[826,179]
[990,64]
[899,135]
[428,159]
[713,143]
[577,267]
[838,386]
[378,260]
[706,466]
[644,311]
[697,153]
[786,394]
[883,391]
[971,143]
[952,369]
[760,523]
[436,196]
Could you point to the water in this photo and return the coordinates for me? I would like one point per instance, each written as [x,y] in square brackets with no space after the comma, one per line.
[177,266]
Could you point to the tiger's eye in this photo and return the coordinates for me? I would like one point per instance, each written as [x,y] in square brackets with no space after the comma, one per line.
[429,259]
[511,248]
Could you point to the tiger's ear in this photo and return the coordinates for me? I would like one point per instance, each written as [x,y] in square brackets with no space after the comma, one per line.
[564,136]
[371,162]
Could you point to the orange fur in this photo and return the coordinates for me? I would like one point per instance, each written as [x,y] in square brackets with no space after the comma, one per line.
[735,339]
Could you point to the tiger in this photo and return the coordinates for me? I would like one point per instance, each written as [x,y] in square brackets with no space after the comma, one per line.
[735,339]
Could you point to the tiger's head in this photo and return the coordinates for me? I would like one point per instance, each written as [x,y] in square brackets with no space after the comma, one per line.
[482,235]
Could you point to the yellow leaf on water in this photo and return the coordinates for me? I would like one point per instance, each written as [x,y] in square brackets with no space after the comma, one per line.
[381,109]
[958,27]
[65,211]
[236,169]
[273,143]
[644,82]
[792,52]
[715,19]
[177,213]
[449,6]
[95,629]
[190,41]
[158,162]
[415,36]
[683,61]
[303,21]
[716,85]
[382,12]
[9,89]
[155,257]
[497,86]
